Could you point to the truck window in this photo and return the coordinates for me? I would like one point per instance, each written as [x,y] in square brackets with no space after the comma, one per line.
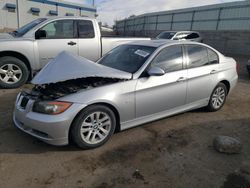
[86,29]
[59,29]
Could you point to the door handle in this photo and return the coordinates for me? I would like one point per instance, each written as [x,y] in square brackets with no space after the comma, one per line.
[71,43]
[181,79]
[213,71]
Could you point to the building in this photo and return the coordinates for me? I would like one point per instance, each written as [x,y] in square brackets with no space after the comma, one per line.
[16,13]
[225,26]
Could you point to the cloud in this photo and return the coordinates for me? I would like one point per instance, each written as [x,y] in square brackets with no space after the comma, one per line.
[110,10]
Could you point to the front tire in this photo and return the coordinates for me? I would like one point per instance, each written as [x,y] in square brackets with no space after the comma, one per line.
[13,72]
[93,127]
[217,98]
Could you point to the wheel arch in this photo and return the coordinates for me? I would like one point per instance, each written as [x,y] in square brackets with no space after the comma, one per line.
[227,84]
[19,56]
[117,115]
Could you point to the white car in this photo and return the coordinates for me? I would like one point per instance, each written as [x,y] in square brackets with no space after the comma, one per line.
[181,35]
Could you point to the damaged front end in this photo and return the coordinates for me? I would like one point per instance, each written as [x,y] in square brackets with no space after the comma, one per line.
[54,91]
[68,74]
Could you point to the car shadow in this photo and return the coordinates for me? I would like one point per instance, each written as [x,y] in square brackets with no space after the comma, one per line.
[16,142]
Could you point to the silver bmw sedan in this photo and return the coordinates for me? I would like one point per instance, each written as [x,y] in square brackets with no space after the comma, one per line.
[86,102]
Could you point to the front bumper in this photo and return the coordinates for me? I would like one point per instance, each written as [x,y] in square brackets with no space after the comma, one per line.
[52,129]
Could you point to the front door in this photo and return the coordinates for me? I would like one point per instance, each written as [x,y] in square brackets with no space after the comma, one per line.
[156,94]
[59,37]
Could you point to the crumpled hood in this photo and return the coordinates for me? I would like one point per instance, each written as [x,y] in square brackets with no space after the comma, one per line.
[67,66]
[5,36]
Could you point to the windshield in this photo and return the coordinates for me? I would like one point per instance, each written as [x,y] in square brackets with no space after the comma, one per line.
[128,58]
[22,30]
[166,35]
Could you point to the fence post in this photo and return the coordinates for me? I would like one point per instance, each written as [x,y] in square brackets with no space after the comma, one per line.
[218,20]
[192,21]
[156,23]
[172,20]
[124,27]
[144,23]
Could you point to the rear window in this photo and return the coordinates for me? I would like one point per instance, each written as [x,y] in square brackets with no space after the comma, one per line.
[192,36]
[86,29]
[201,56]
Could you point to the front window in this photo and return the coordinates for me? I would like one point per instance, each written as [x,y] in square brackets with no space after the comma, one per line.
[166,35]
[59,29]
[23,30]
[128,58]
[169,59]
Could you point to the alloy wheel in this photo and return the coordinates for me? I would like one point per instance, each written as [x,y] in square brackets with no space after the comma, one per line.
[218,97]
[95,127]
[10,73]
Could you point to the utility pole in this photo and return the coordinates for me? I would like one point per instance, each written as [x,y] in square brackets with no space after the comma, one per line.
[17,13]
[93,3]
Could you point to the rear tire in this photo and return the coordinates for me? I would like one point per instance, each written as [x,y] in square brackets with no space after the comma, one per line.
[93,127]
[13,72]
[217,98]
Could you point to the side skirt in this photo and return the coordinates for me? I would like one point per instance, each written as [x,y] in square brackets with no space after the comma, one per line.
[160,115]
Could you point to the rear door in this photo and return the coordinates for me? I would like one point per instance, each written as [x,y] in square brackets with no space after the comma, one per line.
[59,37]
[88,40]
[202,72]
[156,94]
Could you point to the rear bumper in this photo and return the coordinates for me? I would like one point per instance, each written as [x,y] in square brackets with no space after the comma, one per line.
[233,83]
[52,129]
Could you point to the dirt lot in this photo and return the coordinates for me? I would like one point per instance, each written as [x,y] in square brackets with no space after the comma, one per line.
[173,152]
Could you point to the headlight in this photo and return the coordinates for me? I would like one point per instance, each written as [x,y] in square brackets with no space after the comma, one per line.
[51,108]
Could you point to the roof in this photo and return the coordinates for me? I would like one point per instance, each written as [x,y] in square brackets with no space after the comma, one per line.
[195,8]
[69,17]
[180,31]
[154,43]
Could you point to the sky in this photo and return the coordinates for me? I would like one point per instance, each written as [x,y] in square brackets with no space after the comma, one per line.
[110,10]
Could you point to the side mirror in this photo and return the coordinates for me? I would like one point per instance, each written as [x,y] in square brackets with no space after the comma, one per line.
[40,34]
[156,71]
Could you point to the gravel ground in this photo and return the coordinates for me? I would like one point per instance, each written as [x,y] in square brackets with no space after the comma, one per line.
[173,152]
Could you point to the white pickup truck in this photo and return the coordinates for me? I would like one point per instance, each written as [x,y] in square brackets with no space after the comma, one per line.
[25,51]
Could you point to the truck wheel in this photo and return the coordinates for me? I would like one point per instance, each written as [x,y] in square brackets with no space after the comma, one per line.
[13,72]
[93,127]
